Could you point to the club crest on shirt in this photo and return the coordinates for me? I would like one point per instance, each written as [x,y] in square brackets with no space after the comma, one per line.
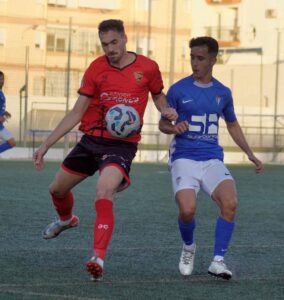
[218,99]
[138,76]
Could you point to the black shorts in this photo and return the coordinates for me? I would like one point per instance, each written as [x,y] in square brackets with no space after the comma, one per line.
[94,153]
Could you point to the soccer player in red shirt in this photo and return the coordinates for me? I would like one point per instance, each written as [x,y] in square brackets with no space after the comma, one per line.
[117,77]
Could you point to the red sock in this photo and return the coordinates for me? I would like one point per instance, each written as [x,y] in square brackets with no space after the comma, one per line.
[64,206]
[103,226]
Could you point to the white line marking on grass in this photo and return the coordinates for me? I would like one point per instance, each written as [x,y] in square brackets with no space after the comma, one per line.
[115,281]
[139,248]
[47,295]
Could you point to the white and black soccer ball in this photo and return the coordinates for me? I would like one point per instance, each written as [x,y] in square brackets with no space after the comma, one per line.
[122,121]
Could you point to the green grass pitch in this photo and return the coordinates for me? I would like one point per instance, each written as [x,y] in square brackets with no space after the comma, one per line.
[142,261]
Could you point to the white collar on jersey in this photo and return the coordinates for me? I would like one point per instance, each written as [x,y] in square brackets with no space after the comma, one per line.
[203,85]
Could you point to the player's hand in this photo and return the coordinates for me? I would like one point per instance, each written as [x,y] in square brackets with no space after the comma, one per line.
[38,157]
[7,115]
[258,164]
[181,127]
[169,113]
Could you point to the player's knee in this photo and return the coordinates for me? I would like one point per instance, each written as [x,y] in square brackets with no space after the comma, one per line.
[186,216]
[56,192]
[105,193]
[229,208]
[232,204]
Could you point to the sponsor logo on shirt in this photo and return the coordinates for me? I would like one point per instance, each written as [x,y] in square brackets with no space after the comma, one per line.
[204,137]
[187,101]
[119,97]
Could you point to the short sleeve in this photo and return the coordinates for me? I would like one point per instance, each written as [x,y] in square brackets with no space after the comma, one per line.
[156,82]
[171,97]
[88,86]
[229,111]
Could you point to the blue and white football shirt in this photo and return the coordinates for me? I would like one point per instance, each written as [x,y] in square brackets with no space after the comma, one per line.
[2,107]
[201,105]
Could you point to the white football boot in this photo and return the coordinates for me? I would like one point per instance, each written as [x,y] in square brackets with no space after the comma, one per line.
[186,262]
[55,228]
[219,269]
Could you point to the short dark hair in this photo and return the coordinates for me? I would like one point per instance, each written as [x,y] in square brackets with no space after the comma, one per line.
[111,24]
[208,41]
[1,73]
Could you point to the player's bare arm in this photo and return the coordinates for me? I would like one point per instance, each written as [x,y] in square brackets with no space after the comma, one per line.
[237,135]
[66,124]
[162,105]
[167,127]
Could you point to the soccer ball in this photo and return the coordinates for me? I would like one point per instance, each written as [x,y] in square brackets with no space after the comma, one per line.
[122,121]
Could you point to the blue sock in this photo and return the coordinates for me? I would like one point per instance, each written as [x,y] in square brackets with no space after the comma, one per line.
[4,147]
[187,231]
[223,233]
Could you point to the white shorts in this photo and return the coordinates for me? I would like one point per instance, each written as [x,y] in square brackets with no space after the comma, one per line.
[5,134]
[191,174]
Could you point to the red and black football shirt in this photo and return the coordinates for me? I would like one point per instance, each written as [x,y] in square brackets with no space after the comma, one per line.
[108,86]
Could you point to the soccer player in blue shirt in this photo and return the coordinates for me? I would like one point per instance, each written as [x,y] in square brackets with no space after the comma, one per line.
[5,134]
[196,158]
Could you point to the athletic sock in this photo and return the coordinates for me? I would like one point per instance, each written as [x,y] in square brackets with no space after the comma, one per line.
[103,226]
[64,206]
[223,233]
[5,146]
[187,231]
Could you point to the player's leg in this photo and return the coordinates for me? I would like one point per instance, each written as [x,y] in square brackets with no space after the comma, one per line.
[115,166]
[107,185]
[186,201]
[60,191]
[111,177]
[221,186]
[62,198]
[75,168]
[185,185]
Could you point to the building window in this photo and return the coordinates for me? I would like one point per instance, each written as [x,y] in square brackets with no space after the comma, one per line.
[39,86]
[60,44]
[39,39]
[55,83]
[142,46]
[271,14]
[57,40]
[86,42]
